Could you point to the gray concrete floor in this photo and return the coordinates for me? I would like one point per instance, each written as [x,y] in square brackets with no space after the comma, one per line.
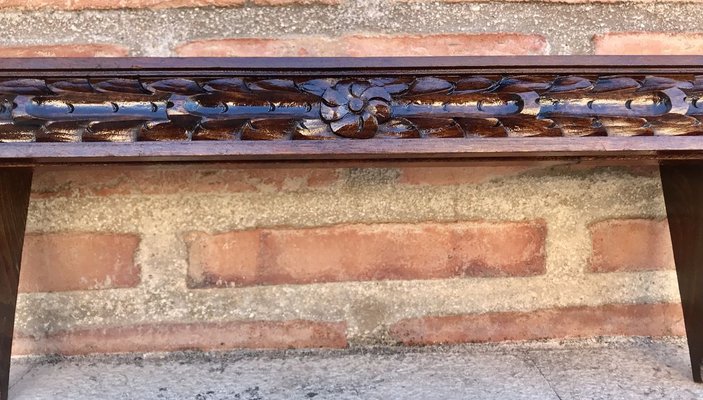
[625,368]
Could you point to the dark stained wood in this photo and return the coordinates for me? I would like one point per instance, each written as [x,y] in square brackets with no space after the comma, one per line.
[15,184]
[639,148]
[253,66]
[237,100]
[235,108]
[683,194]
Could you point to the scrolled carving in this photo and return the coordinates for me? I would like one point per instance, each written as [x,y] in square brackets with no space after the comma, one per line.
[369,107]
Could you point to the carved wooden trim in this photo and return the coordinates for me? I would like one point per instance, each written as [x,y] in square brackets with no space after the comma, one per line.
[474,100]
[235,108]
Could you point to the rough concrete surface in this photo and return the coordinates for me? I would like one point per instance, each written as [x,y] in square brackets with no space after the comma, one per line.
[568,27]
[632,368]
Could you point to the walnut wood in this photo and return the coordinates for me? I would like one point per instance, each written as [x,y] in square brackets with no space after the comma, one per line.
[15,184]
[639,148]
[683,194]
[255,66]
[230,102]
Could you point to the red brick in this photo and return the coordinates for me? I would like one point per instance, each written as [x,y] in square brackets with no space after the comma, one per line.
[357,46]
[580,1]
[152,4]
[466,174]
[366,252]
[644,169]
[630,245]
[131,180]
[65,50]
[107,4]
[448,45]
[196,336]
[58,262]
[648,43]
[463,173]
[288,2]
[608,320]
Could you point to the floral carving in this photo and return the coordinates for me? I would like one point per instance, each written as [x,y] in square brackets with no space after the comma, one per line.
[128,109]
[355,109]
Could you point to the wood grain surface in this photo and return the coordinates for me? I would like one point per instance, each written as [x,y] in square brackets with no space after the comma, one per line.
[15,184]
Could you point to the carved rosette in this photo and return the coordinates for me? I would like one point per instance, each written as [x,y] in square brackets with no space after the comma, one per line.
[234,108]
[355,109]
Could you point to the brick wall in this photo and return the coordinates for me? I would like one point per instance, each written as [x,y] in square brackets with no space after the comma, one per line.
[148,258]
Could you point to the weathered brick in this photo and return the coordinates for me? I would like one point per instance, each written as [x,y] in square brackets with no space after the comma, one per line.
[466,174]
[579,1]
[151,4]
[129,180]
[357,46]
[289,2]
[454,173]
[608,320]
[55,262]
[65,50]
[182,336]
[630,245]
[648,43]
[366,252]
[448,45]
[107,4]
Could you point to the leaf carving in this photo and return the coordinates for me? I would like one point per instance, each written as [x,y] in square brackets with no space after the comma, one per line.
[120,85]
[570,84]
[71,86]
[629,126]
[653,83]
[392,85]
[482,127]
[438,127]
[524,83]
[113,131]
[229,85]
[529,127]
[178,85]
[313,129]
[615,84]
[399,128]
[268,129]
[163,131]
[430,85]
[476,84]
[125,108]
[285,89]
[579,126]
[317,86]
[24,87]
